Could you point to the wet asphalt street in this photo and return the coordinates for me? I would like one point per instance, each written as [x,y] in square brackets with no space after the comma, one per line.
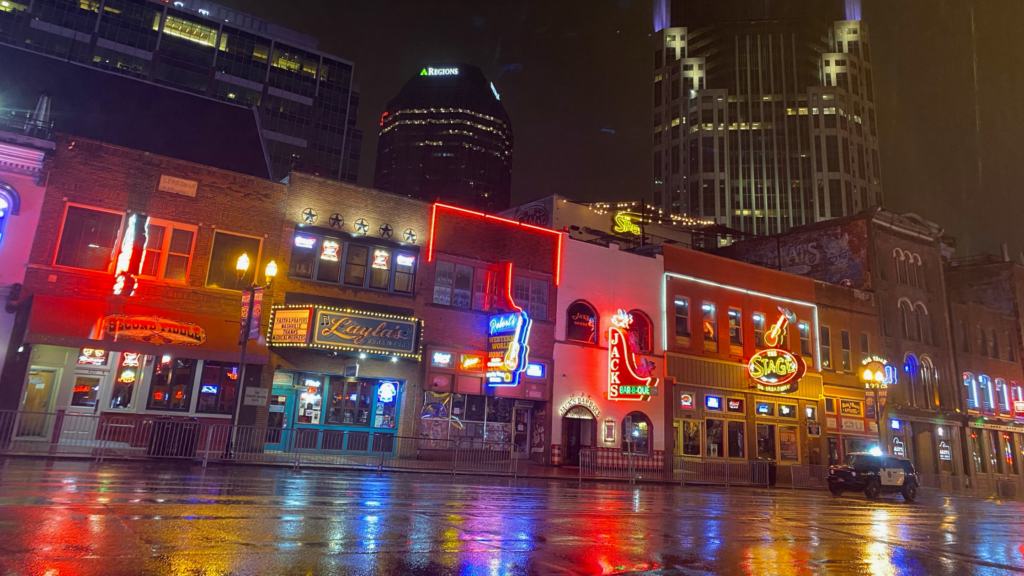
[79,518]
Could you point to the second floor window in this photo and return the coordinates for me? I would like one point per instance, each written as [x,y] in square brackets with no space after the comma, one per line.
[845,341]
[224,259]
[758,330]
[88,239]
[682,317]
[532,295]
[825,343]
[168,251]
[805,338]
[735,335]
[710,322]
[331,259]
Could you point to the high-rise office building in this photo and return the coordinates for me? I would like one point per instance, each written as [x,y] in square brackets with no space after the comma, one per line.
[305,100]
[446,136]
[764,114]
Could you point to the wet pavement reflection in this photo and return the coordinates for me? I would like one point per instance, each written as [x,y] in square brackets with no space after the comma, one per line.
[80,518]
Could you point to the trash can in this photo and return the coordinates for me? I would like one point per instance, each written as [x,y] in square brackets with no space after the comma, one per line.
[174,437]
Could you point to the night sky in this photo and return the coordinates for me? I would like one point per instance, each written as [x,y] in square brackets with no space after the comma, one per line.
[575,78]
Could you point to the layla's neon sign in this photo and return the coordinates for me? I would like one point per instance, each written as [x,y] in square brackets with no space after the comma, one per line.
[774,369]
[624,383]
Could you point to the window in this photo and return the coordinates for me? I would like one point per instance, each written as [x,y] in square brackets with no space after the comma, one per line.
[691,438]
[988,397]
[636,437]
[217,387]
[682,318]
[710,326]
[444,277]
[995,345]
[929,383]
[735,336]
[485,289]
[1003,396]
[764,408]
[812,413]
[172,385]
[865,350]
[965,337]
[788,411]
[168,251]
[805,338]
[330,255]
[924,325]
[130,367]
[901,266]
[380,269]
[758,330]
[729,431]
[355,262]
[788,444]
[736,438]
[830,405]
[982,342]
[641,332]
[906,328]
[462,289]
[349,402]
[581,323]
[844,340]
[532,295]
[1010,354]
[405,272]
[303,259]
[972,390]
[766,442]
[825,344]
[224,259]
[88,239]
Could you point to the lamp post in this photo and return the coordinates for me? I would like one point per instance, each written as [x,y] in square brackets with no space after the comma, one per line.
[873,375]
[241,267]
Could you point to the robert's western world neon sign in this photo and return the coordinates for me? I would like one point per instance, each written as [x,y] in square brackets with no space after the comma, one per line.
[508,337]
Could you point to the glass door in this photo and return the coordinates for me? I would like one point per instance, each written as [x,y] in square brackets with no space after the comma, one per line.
[521,431]
[278,424]
[35,422]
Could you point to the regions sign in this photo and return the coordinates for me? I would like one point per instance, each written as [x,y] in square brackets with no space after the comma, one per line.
[508,349]
[154,330]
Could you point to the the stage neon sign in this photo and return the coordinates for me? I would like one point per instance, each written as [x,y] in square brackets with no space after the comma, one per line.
[623,381]
[777,370]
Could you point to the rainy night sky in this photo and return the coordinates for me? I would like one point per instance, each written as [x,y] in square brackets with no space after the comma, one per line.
[574,76]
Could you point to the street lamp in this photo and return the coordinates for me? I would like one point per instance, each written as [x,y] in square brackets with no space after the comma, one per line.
[249,297]
[874,373]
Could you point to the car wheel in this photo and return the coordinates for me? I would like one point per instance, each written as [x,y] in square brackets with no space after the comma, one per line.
[835,489]
[872,490]
[909,492]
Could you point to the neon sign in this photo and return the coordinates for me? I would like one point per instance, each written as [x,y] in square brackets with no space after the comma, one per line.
[92,357]
[330,251]
[776,370]
[535,370]
[686,401]
[624,382]
[877,373]
[574,401]
[624,225]
[380,259]
[471,362]
[405,260]
[507,349]
[387,391]
[1018,406]
[208,389]
[305,241]
[132,256]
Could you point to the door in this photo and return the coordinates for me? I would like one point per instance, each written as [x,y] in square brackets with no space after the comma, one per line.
[278,421]
[80,423]
[892,473]
[35,421]
[833,451]
[521,431]
[572,429]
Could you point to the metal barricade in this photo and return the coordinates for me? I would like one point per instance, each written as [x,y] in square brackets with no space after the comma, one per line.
[722,472]
[809,476]
[487,457]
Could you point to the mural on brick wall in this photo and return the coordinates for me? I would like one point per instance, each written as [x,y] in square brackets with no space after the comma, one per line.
[837,254]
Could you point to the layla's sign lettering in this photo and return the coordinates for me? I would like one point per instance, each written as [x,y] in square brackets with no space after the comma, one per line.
[507,348]
[364,332]
[625,381]
[580,401]
[774,369]
[154,330]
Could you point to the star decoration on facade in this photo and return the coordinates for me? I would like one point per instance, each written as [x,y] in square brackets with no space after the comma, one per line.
[386,230]
[336,221]
[362,226]
[410,235]
[309,216]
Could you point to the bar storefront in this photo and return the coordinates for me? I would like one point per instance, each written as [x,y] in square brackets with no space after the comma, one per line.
[340,376]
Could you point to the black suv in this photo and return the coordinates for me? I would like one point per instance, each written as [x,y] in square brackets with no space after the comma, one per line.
[874,475]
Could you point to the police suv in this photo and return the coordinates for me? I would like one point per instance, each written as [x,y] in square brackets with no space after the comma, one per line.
[874,474]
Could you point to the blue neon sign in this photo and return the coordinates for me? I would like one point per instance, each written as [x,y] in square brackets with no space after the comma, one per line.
[387,391]
[507,348]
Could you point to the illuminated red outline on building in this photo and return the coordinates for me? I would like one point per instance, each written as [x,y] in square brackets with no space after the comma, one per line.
[433,221]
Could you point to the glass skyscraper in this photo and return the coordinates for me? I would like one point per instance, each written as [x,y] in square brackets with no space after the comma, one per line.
[305,100]
[764,115]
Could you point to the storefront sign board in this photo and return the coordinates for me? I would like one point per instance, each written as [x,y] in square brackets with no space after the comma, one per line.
[291,325]
[364,332]
[255,396]
[853,425]
[153,330]
[850,408]
[587,403]
[178,186]
[944,451]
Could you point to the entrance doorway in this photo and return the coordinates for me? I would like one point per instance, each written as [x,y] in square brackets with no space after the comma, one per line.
[37,402]
[579,429]
[521,431]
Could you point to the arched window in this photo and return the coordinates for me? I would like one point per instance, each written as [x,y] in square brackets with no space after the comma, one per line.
[929,383]
[995,345]
[1010,345]
[581,322]
[924,325]
[641,332]
[638,435]
[907,326]
[1003,396]
[912,270]
[972,390]
[982,342]
[1016,392]
[988,397]
[913,369]
[965,336]
[10,203]
[899,258]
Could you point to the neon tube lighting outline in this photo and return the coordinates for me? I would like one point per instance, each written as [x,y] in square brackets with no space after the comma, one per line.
[664,308]
[433,222]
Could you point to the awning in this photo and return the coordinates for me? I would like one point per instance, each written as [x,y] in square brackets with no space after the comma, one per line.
[57,321]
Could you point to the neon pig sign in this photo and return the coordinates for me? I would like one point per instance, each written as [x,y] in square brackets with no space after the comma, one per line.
[623,381]
[774,369]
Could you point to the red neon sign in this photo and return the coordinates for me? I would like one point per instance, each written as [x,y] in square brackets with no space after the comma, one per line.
[775,369]
[623,381]
[433,223]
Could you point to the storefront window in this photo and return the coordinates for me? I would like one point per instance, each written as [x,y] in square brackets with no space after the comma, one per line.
[303,256]
[88,239]
[310,407]
[172,385]
[979,451]
[217,388]
[387,404]
[84,393]
[129,371]
[715,447]
[349,403]
[474,408]
[636,436]
[766,441]
[1008,453]
[499,410]
[788,445]
[737,437]
[993,454]
[691,438]
[380,269]
[364,400]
